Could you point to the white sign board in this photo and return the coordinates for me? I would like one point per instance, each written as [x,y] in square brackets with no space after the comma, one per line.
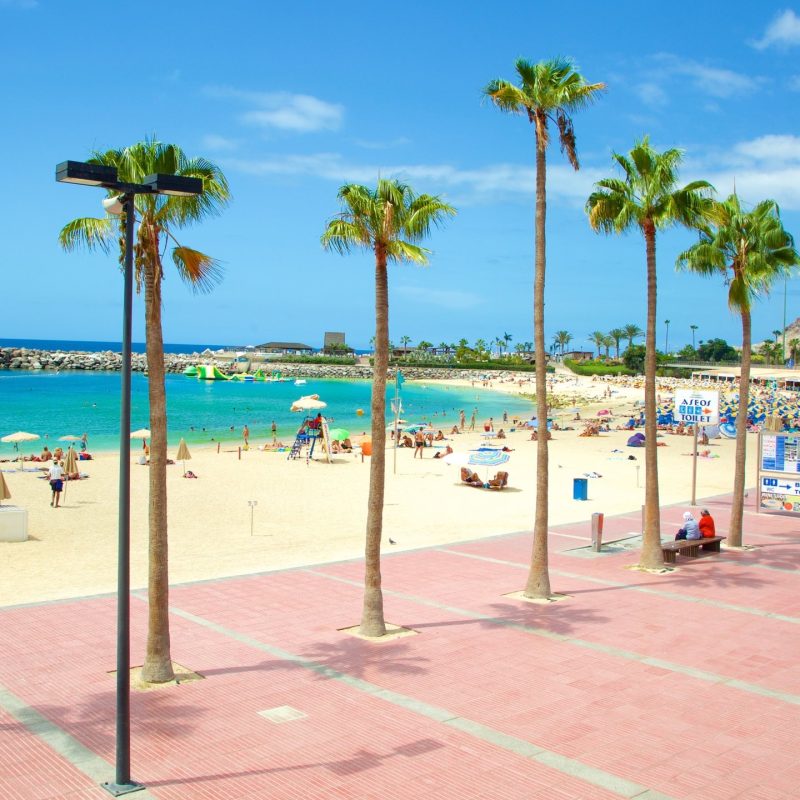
[780,494]
[699,407]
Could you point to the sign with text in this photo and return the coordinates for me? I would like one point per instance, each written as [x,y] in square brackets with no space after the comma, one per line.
[780,494]
[700,407]
[780,452]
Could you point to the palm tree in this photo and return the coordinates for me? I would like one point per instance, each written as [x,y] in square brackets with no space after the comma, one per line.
[159,218]
[617,334]
[693,328]
[608,343]
[388,220]
[632,332]
[550,91]
[480,348]
[666,337]
[794,348]
[562,339]
[445,348]
[756,249]
[425,346]
[405,341]
[776,334]
[598,339]
[647,198]
[507,337]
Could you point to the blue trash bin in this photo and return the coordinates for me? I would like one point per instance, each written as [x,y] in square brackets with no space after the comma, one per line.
[580,488]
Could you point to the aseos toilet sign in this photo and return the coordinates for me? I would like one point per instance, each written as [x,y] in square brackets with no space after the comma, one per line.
[696,407]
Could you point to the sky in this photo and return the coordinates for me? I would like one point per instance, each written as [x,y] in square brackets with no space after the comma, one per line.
[293,100]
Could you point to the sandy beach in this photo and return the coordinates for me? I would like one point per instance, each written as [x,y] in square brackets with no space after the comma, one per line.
[316,512]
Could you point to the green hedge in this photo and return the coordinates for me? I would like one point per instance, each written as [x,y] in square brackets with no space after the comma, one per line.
[486,366]
[595,368]
[342,360]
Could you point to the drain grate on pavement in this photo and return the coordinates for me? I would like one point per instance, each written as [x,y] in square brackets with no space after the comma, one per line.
[282,714]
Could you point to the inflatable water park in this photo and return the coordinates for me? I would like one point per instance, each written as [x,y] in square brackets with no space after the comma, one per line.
[208,372]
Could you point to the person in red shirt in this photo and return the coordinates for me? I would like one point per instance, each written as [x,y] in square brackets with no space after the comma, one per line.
[707,530]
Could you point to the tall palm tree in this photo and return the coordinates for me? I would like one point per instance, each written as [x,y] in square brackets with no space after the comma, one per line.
[776,334]
[480,348]
[617,334]
[159,218]
[562,339]
[598,339]
[388,220]
[666,337]
[693,328]
[750,249]
[647,198]
[405,341]
[549,91]
[632,332]
[794,348]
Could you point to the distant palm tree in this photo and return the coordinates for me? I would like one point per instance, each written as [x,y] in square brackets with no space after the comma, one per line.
[632,332]
[405,341]
[425,346]
[617,334]
[549,91]
[693,329]
[757,250]
[598,339]
[666,337]
[388,221]
[776,334]
[159,218]
[794,348]
[647,198]
[480,348]
[445,348]
[563,338]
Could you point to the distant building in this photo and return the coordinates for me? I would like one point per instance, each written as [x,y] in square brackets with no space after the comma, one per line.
[285,348]
[334,338]
[579,355]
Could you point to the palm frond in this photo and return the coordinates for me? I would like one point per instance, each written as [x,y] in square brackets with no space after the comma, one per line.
[198,270]
[399,250]
[89,232]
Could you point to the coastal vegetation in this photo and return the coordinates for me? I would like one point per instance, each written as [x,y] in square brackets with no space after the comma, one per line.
[750,250]
[389,221]
[159,218]
[548,91]
[647,198]
[597,368]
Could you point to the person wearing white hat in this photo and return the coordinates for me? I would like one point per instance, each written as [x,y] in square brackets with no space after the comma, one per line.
[690,529]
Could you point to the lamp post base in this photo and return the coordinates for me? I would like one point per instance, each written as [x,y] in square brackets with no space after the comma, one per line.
[119,789]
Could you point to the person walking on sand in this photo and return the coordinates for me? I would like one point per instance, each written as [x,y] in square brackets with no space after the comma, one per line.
[274,432]
[419,443]
[56,476]
[462,419]
[246,436]
[84,442]
[472,422]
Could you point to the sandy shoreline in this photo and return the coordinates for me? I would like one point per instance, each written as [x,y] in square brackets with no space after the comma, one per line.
[317,512]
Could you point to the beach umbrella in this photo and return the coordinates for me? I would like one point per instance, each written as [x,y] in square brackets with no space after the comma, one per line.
[142,433]
[70,467]
[16,438]
[69,438]
[338,434]
[183,454]
[310,402]
[5,494]
[488,457]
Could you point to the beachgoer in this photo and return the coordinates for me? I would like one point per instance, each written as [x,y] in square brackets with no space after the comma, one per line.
[56,475]
[690,529]
[706,524]
[58,454]
[419,443]
[462,419]
[406,441]
[246,436]
[85,442]
[46,455]
[505,416]
[446,452]
[274,431]
[439,436]
[703,437]
[470,477]
[472,422]
[455,430]
[501,434]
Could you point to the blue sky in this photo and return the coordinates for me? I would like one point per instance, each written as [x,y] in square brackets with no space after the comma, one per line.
[292,100]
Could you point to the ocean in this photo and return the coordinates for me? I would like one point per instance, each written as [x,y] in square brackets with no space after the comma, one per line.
[52,405]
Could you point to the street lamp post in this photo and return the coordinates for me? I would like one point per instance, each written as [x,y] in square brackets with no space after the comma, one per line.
[106,178]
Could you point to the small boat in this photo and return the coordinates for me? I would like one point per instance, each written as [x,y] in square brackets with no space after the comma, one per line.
[300,382]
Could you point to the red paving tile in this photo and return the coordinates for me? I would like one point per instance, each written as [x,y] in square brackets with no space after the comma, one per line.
[602,708]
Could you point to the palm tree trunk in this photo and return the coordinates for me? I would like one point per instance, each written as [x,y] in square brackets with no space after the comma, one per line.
[157,666]
[737,501]
[538,585]
[372,621]
[651,556]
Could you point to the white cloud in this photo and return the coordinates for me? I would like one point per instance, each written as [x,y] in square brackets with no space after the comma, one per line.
[212,141]
[651,94]
[712,80]
[773,147]
[301,113]
[477,184]
[783,31]
[441,298]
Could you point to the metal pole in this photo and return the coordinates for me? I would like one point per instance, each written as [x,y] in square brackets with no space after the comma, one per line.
[396,418]
[694,465]
[123,783]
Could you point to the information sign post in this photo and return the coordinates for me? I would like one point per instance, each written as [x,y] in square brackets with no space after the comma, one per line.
[778,475]
[698,408]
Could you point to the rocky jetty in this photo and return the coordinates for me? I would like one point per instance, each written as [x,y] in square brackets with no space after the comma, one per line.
[19,358]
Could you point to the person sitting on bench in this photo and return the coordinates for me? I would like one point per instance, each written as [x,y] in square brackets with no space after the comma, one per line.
[706,525]
[690,529]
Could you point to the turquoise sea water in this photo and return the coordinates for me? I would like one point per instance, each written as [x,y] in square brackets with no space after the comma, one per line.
[70,403]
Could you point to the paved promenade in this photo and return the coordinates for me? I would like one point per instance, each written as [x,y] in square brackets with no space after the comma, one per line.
[682,686]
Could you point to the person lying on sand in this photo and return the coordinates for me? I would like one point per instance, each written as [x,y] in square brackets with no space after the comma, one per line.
[446,452]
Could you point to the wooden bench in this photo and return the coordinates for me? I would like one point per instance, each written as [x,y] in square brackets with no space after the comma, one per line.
[690,547]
